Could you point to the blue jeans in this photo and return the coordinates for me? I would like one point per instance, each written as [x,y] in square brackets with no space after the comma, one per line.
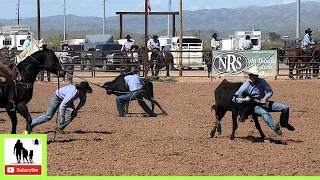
[53,106]
[68,117]
[271,106]
[135,95]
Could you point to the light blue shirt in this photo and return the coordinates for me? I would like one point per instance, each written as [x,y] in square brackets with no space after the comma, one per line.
[257,90]
[307,40]
[134,82]
[68,94]
[26,43]
[247,44]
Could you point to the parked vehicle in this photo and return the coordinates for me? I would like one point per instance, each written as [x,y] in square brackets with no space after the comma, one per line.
[192,55]
[14,36]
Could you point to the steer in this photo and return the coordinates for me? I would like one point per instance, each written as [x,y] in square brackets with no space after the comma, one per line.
[223,99]
[118,87]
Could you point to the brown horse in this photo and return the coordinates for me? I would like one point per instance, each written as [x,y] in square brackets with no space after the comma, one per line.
[295,58]
[304,60]
[315,60]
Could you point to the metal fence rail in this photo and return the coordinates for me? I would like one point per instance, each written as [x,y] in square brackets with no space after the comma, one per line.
[96,64]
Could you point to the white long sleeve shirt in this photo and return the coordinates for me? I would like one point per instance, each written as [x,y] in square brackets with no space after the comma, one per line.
[127,46]
[307,40]
[134,82]
[68,94]
[247,44]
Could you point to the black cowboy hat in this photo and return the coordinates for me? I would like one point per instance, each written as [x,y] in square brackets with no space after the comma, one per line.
[155,36]
[85,86]
[128,37]
[308,30]
[214,35]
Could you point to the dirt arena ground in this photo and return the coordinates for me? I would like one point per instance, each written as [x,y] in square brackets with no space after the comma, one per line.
[99,143]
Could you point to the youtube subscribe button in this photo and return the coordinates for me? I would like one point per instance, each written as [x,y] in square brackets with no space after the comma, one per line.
[23,170]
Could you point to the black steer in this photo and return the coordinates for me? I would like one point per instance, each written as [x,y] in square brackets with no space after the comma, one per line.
[223,99]
[118,87]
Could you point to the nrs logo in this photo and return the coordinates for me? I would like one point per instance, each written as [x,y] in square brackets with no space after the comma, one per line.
[230,63]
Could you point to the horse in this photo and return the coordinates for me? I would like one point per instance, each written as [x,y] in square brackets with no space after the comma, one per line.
[29,68]
[302,60]
[296,58]
[315,60]
[160,59]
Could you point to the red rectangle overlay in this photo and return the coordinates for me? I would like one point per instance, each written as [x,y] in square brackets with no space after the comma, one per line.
[22,169]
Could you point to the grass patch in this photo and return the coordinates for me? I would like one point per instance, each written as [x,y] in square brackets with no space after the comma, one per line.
[163,79]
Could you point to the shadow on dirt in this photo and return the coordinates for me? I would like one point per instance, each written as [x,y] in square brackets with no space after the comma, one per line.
[71,140]
[68,133]
[277,140]
[81,132]
[253,139]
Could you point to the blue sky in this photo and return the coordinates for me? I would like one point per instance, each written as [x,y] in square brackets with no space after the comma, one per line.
[95,7]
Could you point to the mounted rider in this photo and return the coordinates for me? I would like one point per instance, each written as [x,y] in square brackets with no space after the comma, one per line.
[127,46]
[10,74]
[154,44]
[307,42]
[154,47]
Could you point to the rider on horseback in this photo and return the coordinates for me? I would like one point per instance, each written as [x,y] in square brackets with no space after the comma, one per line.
[154,43]
[128,44]
[307,42]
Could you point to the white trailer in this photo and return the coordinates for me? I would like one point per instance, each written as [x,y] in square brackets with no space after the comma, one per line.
[235,42]
[14,36]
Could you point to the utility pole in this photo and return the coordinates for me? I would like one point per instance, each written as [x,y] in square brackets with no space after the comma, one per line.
[145,57]
[169,10]
[146,23]
[38,19]
[64,21]
[298,20]
[18,12]
[41,76]
[180,38]
[104,18]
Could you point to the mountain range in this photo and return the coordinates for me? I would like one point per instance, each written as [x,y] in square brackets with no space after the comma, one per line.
[277,18]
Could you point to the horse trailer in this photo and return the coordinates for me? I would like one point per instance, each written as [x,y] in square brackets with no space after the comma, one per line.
[14,36]
[235,42]
[192,55]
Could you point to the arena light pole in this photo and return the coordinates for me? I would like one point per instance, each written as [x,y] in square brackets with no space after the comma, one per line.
[38,19]
[298,20]
[41,76]
[180,38]
[64,21]
[169,10]
[104,18]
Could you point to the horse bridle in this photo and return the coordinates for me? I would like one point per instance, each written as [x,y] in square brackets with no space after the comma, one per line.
[38,64]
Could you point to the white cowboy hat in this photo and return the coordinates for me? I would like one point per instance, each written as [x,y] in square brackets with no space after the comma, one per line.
[253,70]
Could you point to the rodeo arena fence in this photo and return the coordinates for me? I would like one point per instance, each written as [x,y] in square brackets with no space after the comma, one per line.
[211,64]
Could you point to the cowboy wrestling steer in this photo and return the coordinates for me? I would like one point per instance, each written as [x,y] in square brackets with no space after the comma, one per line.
[118,87]
[223,99]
